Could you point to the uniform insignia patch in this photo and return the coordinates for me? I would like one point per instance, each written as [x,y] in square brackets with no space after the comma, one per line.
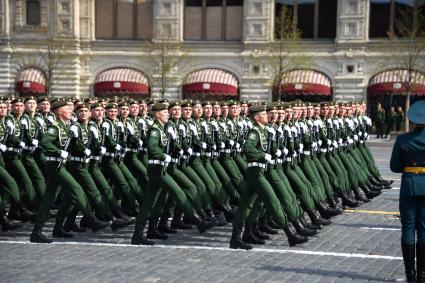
[252,136]
[154,133]
[51,130]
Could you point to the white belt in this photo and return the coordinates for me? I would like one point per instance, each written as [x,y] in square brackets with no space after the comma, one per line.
[133,150]
[279,161]
[13,149]
[225,150]
[239,150]
[196,154]
[207,154]
[361,142]
[111,154]
[79,159]
[256,164]
[144,149]
[158,162]
[50,158]
[215,153]
[323,150]
[288,158]
[30,148]
[95,158]
[174,160]
[307,152]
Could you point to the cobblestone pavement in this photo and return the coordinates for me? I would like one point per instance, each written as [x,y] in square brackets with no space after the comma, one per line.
[359,246]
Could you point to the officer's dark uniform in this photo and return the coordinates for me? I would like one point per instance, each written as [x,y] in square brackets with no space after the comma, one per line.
[408,157]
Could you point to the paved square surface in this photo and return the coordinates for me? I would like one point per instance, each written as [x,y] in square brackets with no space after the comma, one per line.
[361,245]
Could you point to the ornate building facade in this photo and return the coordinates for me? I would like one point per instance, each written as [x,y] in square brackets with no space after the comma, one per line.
[343,37]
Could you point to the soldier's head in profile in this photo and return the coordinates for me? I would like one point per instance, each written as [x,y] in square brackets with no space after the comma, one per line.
[259,114]
[160,112]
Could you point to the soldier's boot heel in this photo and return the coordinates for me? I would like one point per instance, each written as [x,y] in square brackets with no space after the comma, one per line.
[293,237]
[25,214]
[409,262]
[304,231]
[138,238]
[369,194]
[260,235]
[58,231]
[119,223]
[7,225]
[348,201]
[37,236]
[202,225]
[94,224]
[420,262]
[326,212]
[248,236]
[307,224]
[316,219]
[359,196]
[164,227]
[236,241]
[153,232]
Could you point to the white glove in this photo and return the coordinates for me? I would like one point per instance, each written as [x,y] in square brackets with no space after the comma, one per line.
[238,146]
[11,126]
[22,144]
[171,132]
[340,141]
[268,158]
[140,143]
[51,119]
[194,130]
[118,147]
[35,142]
[285,151]
[278,153]
[40,121]
[204,145]
[74,130]
[320,142]
[167,158]
[215,125]
[182,129]
[181,152]
[87,152]
[294,130]
[329,142]
[214,147]
[204,126]
[222,145]
[24,124]
[231,142]
[280,131]
[95,132]
[102,150]
[190,151]
[314,145]
[74,119]
[64,154]
[356,137]
[335,144]
[360,134]
[106,126]
[366,135]
[271,130]
[301,147]
[2,147]
[130,129]
[350,141]
[120,125]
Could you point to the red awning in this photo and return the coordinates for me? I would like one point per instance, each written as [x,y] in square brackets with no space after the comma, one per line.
[305,82]
[121,81]
[210,82]
[30,81]
[396,82]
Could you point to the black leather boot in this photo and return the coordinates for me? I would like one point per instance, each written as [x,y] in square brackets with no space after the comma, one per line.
[369,194]
[409,262]
[348,201]
[138,238]
[260,235]
[202,225]
[58,231]
[309,225]
[236,241]
[420,262]
[37,236]
[70,225]
[304,231]
[359,196]
[7,225]
[293,237]
[164,228]
[177,222]
[316,219]
[153,232]
[94,224]
[372,187]
[326,212]
[25,214]
[249,237]
[263,227]
[118,223]
[228,212]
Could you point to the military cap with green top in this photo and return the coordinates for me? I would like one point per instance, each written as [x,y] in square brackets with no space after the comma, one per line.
[174,104]
[58,104]
[256,109]
[159,107]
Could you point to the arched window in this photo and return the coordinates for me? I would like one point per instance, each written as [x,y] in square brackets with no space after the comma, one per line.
[213,19]
[124,19]
[385,15]
[314,18]
[33,12]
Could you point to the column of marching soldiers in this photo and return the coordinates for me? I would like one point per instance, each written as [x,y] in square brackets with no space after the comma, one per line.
[263,167]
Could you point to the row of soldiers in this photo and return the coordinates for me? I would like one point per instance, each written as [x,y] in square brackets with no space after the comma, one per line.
[263,167]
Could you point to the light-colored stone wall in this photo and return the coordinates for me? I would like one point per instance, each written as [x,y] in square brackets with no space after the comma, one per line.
[347,60]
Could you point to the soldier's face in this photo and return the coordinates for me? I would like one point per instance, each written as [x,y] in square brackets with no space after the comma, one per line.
[176,112]
[304,111]
[134,109]
[71,106]
[331,111]
[208,111]
[217,110]
[30,106]
[282,116]
[197,111]
[187,112]
[162,116]
[316,111]
[84,114]
[233,111]
[244,109]
[273,116]
[97,113]
[3,109]
[143,108]
[44,106]
[18,108]
[261,118]
[225,111]
[124,111]
[325,111]
[289,113]
[64,113]
[112,113]
[310,111]
[295,112]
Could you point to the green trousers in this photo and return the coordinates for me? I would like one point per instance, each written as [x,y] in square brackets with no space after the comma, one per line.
[35,174]
[200,185]
[137,169]
[300,187]
[241,162]
[317,190]
[233,171]
[323,175]
[258,186]
[292,199]
[158,182]
[73,192]
[197,166]
[8,185]
[217,195]
[228,188]
[102,184]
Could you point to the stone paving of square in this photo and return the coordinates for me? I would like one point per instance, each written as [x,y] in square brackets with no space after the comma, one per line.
[359,246]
